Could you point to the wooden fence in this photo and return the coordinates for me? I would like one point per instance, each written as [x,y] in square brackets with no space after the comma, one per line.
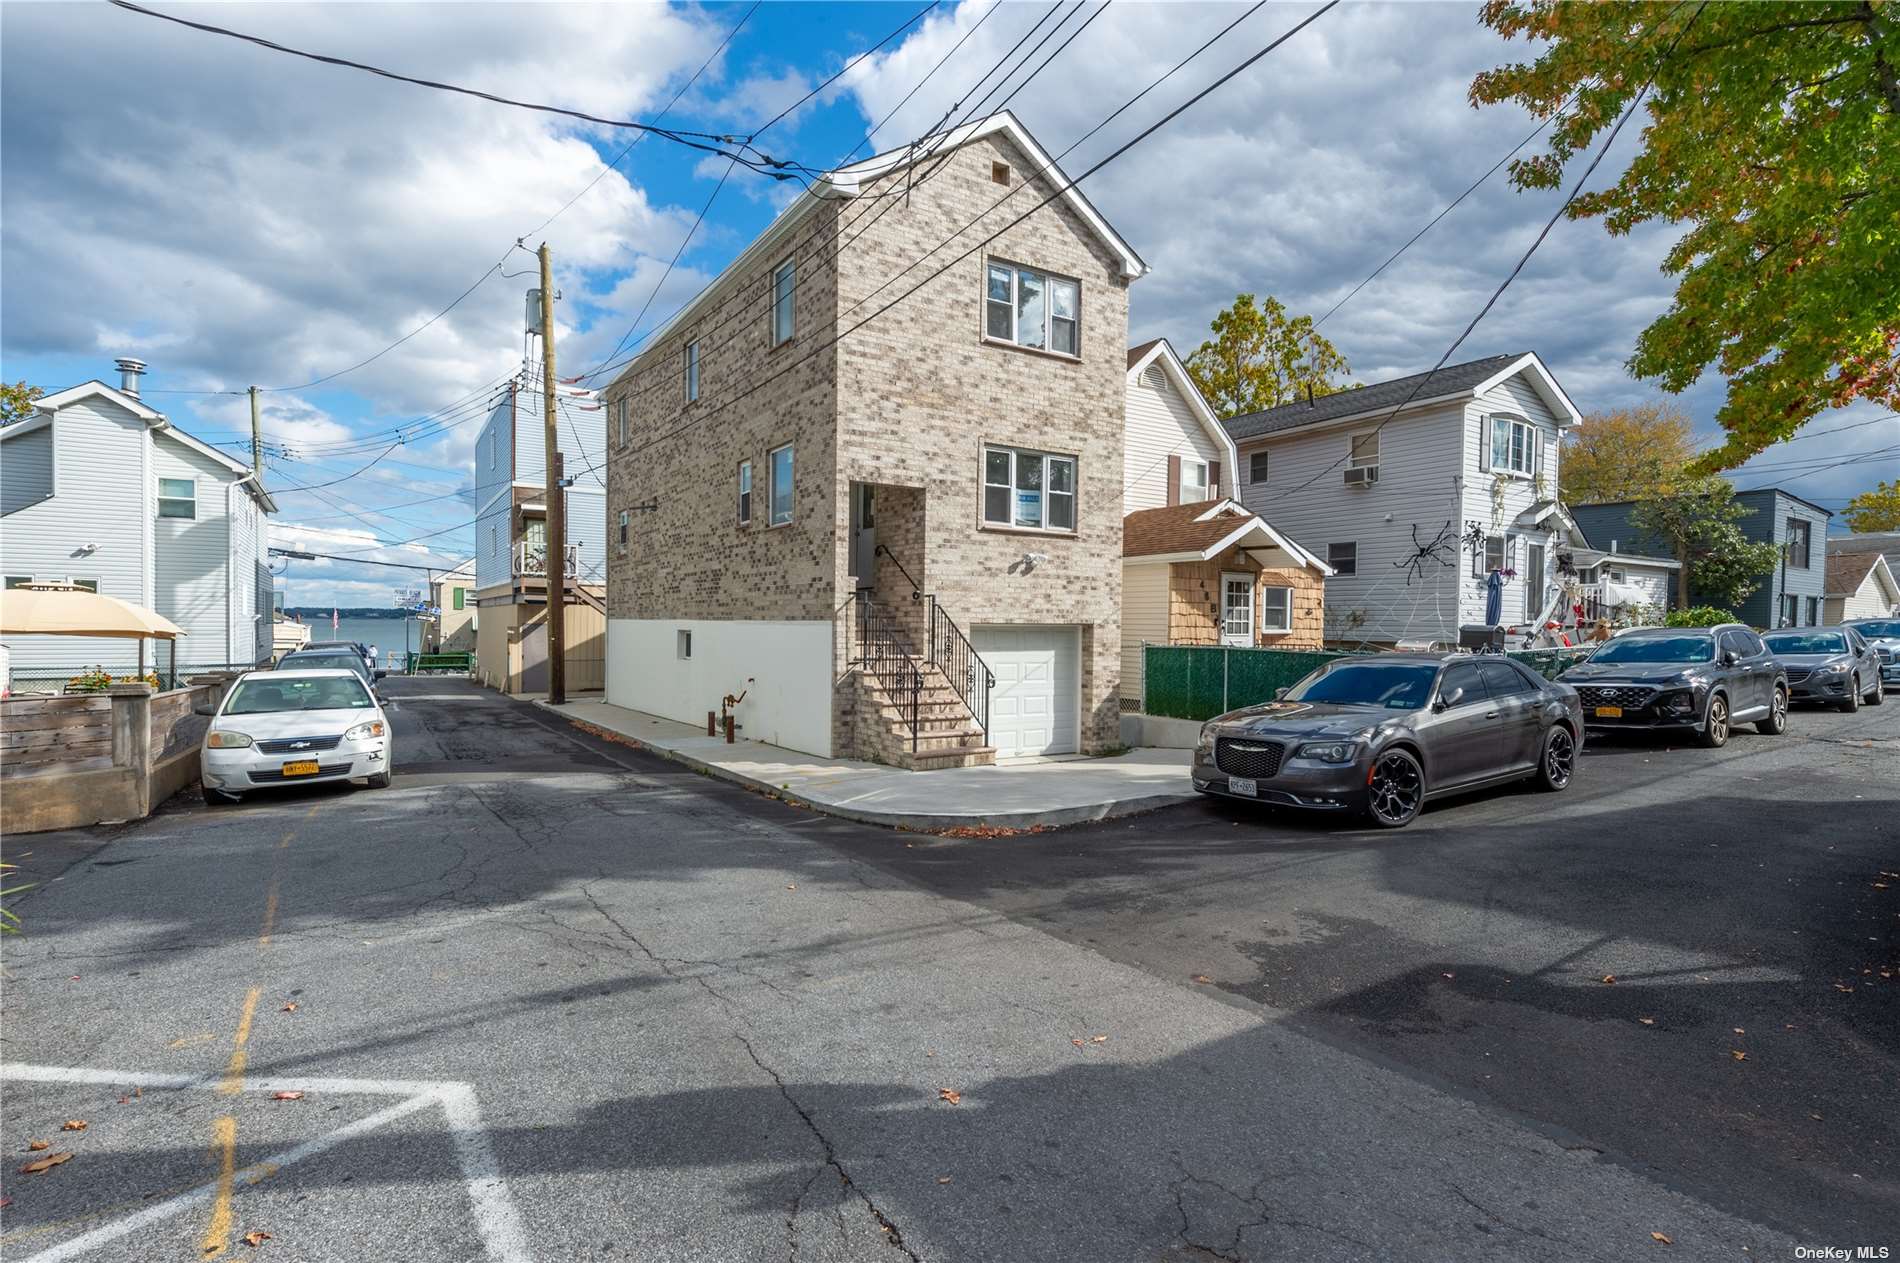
[42,734]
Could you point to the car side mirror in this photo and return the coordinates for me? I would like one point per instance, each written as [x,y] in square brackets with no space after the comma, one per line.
[1728,658]
[1280,693]
[1449,698]
[204,708]
[382,675]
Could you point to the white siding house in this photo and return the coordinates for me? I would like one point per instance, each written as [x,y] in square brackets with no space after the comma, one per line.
[1414,490]
[99,489]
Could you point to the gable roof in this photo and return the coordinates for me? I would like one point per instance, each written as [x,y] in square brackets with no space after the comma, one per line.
[1454,381]
[1160,352]
[1139,354]
[1203,530]
[1848,569]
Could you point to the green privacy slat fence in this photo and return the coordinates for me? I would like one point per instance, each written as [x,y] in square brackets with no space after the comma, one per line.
[1202,681]
[1550,663]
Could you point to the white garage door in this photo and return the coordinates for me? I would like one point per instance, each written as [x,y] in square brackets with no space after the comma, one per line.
[1033,708]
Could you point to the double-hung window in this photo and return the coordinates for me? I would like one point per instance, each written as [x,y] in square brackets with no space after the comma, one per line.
[780,466]
[692,370]
[623,407]
[1032,309]
[1363,452]
[1276,609]
[1257,467]
[745,492]
[1343,558]
[1030,490]
[1799,552]
[1500,553]
[784,290]
[1513,447]
[626,520]
[1193,481]
[177,497]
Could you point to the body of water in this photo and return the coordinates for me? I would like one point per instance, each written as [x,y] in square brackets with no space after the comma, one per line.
[385,633]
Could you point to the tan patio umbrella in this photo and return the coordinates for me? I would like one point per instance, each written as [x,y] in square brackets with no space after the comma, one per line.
[61,609]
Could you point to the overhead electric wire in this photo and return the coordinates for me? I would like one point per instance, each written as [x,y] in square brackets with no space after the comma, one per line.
[848,66]
[918,86]
[1550,224]
[1114,155]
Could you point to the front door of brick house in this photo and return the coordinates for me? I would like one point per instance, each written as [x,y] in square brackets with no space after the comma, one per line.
[1236,608]
[864,534]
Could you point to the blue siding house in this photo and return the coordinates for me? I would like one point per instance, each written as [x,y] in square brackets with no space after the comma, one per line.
[1790,595]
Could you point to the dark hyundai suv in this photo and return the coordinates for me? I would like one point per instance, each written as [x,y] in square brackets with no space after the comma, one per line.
[1699,679]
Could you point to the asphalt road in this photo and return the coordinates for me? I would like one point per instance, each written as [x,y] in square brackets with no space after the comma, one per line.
[550,998]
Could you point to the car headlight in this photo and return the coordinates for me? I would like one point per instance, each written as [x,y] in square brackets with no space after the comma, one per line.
[220,739]
[363,732]
[1206,743]
[1328,751]
[1832,668]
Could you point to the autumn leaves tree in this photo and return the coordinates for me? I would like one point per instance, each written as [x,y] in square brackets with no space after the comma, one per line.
[1259,357]
[1773,139]
[16,400]
[1876,510]
[1625,453]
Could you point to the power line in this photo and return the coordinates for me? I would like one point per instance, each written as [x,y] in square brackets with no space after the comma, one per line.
[908,22]
[1061,189]
[1491,302]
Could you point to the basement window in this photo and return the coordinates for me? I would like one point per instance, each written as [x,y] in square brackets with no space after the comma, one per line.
[682,643]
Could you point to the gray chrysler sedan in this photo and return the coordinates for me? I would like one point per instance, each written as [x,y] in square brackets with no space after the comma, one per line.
[1383,733]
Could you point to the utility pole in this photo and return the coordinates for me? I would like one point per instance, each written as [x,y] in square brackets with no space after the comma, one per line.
[557,499]
[257,439]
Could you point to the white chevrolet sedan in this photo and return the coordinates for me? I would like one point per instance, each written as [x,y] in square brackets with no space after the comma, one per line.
[287,727]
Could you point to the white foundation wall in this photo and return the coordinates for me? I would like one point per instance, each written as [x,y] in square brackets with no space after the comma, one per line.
[788,664]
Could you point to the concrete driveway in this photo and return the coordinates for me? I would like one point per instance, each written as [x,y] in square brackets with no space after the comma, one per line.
[549,998]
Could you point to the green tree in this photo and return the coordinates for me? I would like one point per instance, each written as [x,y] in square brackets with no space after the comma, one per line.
[1625,453]
[1876,510]
[16,400]
[1697,516]
[1773,139]
[1260,358]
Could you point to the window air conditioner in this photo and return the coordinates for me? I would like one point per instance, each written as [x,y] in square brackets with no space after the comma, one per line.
[1362,476]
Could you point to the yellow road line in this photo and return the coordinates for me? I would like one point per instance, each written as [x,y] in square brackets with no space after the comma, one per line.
[270,914]
[224,1140]
[234,1072]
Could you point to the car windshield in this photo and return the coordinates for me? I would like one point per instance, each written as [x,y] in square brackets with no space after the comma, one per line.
[1393,685]
[317,692]
[321,661]
[1806,642]
[1657,649]
[1879,631]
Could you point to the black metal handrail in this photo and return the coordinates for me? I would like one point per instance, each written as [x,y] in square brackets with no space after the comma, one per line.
[953,654]
[916,593]
[881,649]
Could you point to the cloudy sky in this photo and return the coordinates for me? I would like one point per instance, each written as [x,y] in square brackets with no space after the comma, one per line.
[236,216]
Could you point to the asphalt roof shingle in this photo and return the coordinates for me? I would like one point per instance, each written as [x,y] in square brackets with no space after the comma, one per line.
[1448,380]
[1153,532]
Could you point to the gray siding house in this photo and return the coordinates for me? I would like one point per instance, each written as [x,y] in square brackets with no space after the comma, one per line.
[1791,595]
[511,488]
[1414,490]
[98,489]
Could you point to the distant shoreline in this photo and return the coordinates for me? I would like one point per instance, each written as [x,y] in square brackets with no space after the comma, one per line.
[374,611]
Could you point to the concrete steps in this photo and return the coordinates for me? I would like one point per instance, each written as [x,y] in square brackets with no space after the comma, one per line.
[947,733]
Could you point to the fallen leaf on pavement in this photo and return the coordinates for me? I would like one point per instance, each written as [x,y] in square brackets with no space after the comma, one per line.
[1880,885]
[943,1179]
[1738,1054]
[73,1124]
[255,1239]
[1815,1117]
[47,1163]
[1647,1021]
[949,1094]
[291,1007]
[1660,1239]
[1098,1039]
[1201,978]
[1740,1031]
[34,1146]
[1076,1042]
[1448,975]
[286,1096]
[5,1202]
[791,888]
[1841,986]
[1609,978]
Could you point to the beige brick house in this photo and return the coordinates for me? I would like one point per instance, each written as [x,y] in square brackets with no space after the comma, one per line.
[894,531]
[1198,567]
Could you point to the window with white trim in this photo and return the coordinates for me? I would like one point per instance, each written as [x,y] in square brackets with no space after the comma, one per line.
[1362,451]
[1257,467]
[178,497]
[1343,558]
[1500,553]
[692,370]
[1800,549]
[1276,609]
[1514,446]
[626,519]
[779,466]
[745,493]
[784,291]
[1193,481]
[1028,490]
[624,407]
[1032,309]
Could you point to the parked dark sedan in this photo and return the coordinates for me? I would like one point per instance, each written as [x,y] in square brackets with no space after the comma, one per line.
[1884,635]
[1384,733]
[1827,664]
[1702,680]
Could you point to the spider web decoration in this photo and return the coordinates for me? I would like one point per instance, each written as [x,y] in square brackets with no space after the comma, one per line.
[1440,548]
[1473,540]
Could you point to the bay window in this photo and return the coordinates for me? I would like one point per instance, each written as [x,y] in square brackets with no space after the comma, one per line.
[1032,309]
[1028,490]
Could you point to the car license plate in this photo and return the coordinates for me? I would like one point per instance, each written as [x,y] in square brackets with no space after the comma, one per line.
[1241,785]
[301,769]
[1609,712]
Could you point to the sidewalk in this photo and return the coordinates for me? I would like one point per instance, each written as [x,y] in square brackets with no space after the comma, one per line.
[1013,796]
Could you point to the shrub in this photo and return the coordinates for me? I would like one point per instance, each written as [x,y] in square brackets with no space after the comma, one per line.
[1699,616]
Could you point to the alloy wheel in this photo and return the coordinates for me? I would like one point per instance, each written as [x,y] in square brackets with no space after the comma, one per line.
[1397,788]
[1560,756]
[1718,721]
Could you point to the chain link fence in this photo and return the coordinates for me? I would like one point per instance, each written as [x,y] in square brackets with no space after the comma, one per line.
[95,679]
